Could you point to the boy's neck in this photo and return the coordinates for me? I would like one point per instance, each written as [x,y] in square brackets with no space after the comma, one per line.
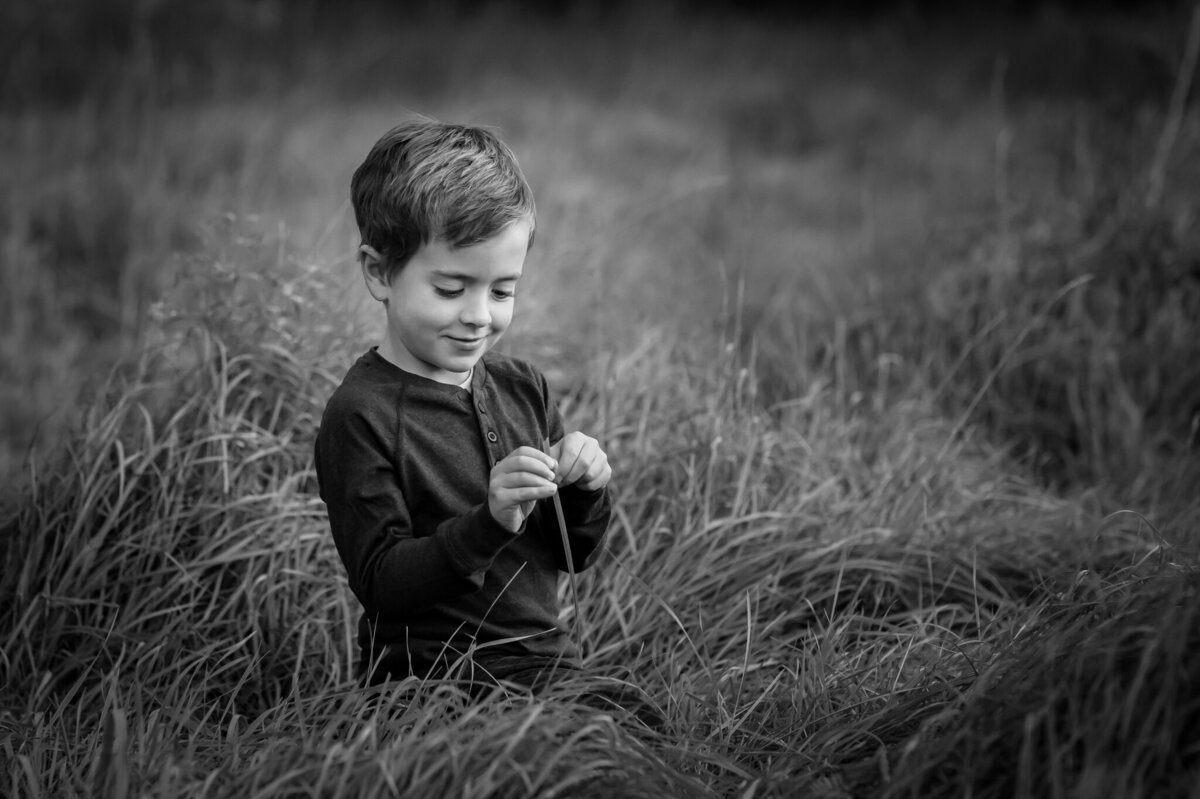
[460,379]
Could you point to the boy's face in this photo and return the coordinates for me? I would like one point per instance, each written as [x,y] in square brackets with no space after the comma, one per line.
[447,307]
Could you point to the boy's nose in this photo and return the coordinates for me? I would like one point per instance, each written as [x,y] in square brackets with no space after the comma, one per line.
[476,314]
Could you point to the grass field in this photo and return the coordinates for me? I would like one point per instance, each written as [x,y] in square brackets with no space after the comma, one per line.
[889,328]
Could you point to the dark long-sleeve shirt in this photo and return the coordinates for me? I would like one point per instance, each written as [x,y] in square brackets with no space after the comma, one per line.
[403,464]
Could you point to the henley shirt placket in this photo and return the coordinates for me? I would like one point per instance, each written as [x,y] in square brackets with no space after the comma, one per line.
[487,422]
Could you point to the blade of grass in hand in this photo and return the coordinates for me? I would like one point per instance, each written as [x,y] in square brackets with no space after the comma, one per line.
[577,621]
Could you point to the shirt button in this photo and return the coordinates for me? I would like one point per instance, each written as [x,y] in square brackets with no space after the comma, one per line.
[481,409]
[491,436]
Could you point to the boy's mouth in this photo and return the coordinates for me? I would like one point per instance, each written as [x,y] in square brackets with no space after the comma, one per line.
[467,342]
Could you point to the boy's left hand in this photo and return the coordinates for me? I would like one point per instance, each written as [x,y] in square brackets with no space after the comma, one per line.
[581,461]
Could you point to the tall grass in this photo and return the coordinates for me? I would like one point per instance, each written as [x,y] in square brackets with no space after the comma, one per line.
[1116,659]
[824,571]
[813,600]
[1064,321]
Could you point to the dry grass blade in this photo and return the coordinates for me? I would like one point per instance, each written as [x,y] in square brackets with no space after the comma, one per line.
[577,611]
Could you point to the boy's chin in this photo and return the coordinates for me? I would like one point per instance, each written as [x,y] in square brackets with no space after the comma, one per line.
[464,361]
[460,365]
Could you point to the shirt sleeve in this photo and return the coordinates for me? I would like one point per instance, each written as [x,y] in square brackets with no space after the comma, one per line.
[393,572]
[586,513]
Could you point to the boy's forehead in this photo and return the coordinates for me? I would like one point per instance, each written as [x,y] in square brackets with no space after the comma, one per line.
[501,257]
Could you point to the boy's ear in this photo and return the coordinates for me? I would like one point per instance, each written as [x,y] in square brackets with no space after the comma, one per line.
[374,272]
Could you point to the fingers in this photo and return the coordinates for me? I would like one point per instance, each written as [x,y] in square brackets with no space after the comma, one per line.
[523,485]
[572,468]
[567,452]
[507,499]
[581,461]
[516,482]
[528,460]
[597,479]
[526,474]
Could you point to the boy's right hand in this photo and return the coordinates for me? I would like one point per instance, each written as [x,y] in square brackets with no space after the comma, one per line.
[517,482]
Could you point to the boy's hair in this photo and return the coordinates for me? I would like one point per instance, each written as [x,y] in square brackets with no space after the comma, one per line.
[426,181]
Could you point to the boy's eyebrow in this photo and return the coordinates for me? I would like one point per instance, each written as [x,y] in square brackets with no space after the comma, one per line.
[467,277]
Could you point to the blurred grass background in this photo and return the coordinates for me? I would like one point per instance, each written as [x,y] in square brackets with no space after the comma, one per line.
[879,311]
[868,192]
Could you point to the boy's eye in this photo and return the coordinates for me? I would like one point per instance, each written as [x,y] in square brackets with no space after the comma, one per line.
[445,292]
[503,294]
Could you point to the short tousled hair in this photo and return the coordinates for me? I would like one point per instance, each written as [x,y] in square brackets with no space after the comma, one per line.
[426,181]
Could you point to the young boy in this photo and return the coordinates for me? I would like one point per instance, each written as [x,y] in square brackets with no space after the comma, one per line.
[430,453]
